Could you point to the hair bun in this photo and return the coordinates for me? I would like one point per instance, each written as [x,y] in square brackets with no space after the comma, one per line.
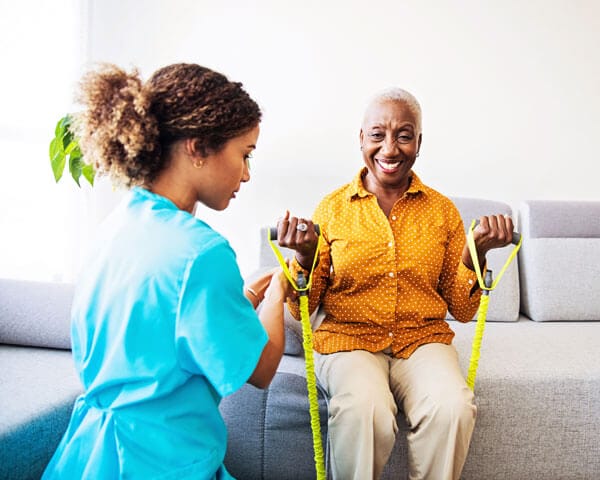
[117,132]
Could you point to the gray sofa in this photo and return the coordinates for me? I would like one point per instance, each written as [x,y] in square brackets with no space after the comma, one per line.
[537,388]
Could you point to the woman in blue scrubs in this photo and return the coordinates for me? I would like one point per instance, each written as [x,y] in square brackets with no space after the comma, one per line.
[162,328]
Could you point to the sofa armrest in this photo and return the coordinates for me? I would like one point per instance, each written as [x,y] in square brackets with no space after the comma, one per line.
[559,261]
[35,313]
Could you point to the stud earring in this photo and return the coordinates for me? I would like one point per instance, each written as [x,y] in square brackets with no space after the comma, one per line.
[199,164]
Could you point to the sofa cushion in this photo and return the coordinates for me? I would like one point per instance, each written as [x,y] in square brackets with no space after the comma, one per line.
[560,219]
[294,338]
[35,313]
[560,260]
[266,257]
[293,335]
[269,435]
[505,298]
[537,392]
[38,389]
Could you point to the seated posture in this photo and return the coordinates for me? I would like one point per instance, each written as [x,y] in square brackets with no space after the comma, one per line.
[161,326]
[393,261]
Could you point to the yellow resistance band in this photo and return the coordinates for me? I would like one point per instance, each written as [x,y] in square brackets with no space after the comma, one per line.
[487,286]
[311,379]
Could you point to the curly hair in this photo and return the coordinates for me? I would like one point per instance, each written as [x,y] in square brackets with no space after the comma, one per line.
[127,126]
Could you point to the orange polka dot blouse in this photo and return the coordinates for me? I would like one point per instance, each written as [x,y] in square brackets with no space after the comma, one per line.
[389,282]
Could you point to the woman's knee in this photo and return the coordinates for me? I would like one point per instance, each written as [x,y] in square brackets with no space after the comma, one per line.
[454,406]
[365,406]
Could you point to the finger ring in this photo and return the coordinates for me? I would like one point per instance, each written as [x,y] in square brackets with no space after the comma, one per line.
[303,227]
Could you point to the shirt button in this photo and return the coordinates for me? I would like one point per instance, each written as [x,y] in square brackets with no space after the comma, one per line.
[391,244]
[393,217]
[391,274]
[470,282]
[391,334]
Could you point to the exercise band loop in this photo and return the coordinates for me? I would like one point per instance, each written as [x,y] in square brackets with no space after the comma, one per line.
[487,286]
[302,287]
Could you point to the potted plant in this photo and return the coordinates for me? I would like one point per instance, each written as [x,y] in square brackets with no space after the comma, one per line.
[64,148]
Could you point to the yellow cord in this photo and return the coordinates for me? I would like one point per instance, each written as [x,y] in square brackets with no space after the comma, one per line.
[285,268]
[477,338]
[307,343]
[311,385]
[483,304]
[474,257]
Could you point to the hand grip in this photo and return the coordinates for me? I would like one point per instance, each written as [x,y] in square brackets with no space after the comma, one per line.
[516,238]
[273,231]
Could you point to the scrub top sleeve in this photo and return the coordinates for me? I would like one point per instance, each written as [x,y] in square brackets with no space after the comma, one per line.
[218,333]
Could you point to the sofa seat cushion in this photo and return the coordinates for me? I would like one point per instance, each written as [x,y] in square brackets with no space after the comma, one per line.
[537,393]
[269,430]
[39,388]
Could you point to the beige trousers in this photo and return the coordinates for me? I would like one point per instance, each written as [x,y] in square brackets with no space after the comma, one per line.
[365,391]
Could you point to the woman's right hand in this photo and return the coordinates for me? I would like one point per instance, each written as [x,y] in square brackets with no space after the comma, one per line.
[279,288]
[303,240]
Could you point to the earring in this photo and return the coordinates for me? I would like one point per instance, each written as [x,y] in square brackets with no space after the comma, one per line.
[417,154]
[199,164]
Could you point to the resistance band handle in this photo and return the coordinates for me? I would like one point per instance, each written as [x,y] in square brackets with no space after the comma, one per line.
[273,231]
[516,238]
[301,282]
[488,281]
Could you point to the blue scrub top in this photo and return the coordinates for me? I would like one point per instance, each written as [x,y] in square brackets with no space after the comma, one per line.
[161,330]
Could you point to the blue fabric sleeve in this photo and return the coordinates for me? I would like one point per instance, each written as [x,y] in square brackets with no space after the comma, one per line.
[218,333]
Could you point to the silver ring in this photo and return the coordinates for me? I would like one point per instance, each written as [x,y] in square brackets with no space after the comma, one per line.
[303,227]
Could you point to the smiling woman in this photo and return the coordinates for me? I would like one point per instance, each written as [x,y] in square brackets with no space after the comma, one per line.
[390,139]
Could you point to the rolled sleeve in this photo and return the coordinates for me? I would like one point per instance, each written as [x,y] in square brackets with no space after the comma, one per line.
[466,295]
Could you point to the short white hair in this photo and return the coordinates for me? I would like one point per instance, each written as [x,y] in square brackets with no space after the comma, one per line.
[397,94]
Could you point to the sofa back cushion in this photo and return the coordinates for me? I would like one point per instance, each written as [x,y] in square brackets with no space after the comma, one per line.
[266,257]
[35,314]
[560,260]
[505,298]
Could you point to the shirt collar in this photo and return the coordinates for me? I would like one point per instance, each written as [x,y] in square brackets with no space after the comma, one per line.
[154,197]
[358,190]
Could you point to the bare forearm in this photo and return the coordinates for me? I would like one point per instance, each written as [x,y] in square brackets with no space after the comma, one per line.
[271,316]
[255,291]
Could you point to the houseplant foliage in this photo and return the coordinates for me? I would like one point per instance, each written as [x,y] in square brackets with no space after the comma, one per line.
[64,148]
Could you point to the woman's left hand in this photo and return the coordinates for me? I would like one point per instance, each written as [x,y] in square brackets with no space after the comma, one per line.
[493,231]
[257,289]
[304,240]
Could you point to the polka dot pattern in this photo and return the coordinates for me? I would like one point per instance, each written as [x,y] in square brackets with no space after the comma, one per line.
[389,281]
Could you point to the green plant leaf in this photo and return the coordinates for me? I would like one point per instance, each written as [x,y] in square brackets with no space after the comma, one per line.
[75,167]
[59,130]
[57,159]
[89,173]
[65,147]
[71,146]
[55,147]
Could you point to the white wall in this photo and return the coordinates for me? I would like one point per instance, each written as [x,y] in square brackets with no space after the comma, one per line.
[40,57]
[510,90]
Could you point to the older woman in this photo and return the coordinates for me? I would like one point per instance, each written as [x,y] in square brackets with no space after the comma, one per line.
[394,260]
[161,326]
